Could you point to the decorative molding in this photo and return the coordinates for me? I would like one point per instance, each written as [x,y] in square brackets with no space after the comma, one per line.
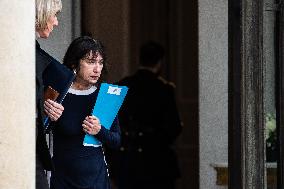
[222,174]
[271,177]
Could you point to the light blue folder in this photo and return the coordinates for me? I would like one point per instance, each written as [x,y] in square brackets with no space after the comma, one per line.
[108,103]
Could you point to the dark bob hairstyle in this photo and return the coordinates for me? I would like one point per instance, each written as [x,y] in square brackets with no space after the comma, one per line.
[80,48]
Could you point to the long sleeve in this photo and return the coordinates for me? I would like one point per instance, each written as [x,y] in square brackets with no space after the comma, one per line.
[171,120]
[110,137]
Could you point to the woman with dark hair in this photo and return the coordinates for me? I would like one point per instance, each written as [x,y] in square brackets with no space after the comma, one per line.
[78,166]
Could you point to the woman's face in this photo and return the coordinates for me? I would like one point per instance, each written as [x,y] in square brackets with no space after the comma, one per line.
[90,69]
[52,21]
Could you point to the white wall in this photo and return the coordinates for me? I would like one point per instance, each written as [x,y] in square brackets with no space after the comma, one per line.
[213,88]
[17,96]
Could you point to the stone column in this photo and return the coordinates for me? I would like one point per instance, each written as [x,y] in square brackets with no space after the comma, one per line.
[17,96]
[246,99]
[213,88]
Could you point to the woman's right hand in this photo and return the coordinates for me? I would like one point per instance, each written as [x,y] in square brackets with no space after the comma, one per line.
[53,109]
[91,125]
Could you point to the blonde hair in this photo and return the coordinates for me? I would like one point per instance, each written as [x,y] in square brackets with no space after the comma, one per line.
[44,10]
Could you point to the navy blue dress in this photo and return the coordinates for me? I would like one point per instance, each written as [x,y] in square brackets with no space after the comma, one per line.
[77,166]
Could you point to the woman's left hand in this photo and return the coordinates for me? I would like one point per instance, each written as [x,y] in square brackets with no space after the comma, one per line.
[91,125]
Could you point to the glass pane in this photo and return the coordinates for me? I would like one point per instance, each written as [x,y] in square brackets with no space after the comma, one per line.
[269,47]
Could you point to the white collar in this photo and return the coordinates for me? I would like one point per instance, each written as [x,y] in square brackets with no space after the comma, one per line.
[82,92]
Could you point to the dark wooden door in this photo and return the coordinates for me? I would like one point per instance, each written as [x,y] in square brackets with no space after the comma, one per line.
[174,24]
